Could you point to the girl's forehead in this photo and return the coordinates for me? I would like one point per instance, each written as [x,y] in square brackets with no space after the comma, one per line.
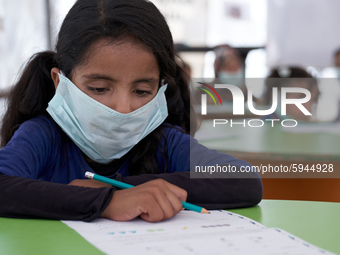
[105,48]
[120,60]
[126,43]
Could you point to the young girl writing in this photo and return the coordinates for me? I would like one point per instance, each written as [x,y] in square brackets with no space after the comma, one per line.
[113,101]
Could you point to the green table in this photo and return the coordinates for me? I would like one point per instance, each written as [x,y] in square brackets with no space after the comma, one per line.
[315,222]
[269,142]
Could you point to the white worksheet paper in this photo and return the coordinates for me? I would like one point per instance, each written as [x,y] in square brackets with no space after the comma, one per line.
[219,232]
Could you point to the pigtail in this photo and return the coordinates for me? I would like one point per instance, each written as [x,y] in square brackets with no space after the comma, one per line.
[30,95]
[188,116]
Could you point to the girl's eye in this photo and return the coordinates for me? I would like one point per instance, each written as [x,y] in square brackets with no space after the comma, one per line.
[142,92]
[98,90]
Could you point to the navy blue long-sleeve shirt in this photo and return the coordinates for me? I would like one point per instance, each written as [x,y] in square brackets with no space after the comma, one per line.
[40,159]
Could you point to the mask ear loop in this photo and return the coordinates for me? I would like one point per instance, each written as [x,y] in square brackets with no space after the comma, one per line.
[62,73]
[162,83]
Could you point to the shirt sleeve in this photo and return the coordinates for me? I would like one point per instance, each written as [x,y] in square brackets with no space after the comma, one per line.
[221,193]
[24,160]
[26,198]
[213,191]
[185,154]
[30,150]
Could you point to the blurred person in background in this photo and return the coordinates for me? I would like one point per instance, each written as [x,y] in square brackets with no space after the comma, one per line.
[337,63]
[292,77]
[228,69]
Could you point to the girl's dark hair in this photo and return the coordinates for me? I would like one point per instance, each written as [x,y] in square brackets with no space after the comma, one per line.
[86,22]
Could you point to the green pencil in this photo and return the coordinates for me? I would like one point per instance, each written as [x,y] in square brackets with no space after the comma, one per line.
[123,185]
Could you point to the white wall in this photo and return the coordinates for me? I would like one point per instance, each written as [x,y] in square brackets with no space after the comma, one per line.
[303,32]
[23,32]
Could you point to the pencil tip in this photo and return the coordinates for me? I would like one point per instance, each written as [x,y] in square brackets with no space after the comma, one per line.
[205,211]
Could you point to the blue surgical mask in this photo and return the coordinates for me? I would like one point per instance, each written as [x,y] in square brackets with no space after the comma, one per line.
[337,70]
[100,132]
[235,78]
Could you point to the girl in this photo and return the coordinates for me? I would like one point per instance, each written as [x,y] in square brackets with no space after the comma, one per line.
[110,100]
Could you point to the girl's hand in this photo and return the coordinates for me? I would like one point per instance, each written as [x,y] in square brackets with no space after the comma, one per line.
[153,201]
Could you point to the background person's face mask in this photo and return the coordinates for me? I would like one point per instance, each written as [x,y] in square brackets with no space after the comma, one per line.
[101,133]
[233,78]
[337,70]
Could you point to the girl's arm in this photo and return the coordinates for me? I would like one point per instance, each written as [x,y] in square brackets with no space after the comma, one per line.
[35,153]
[27,157]
[222,193]
[212,191]
[26,198]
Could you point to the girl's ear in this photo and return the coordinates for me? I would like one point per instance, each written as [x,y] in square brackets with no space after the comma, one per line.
[55,77]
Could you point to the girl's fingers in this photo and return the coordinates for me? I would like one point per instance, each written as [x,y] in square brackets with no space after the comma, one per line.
[153,201]
[179,192]
[175,202]
[167,196]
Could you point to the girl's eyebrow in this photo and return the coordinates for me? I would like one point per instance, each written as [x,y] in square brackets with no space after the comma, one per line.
[146,80]
[105,77]
[97,77]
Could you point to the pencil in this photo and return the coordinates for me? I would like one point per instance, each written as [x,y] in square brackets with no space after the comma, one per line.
[123,185]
